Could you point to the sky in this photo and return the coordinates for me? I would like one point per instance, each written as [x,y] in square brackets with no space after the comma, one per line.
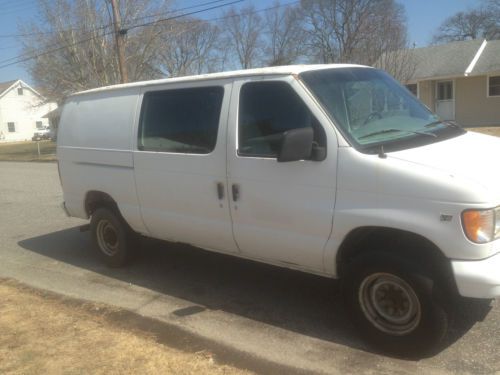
[424,17]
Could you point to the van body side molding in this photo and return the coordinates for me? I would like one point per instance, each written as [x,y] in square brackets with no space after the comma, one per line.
[105,165]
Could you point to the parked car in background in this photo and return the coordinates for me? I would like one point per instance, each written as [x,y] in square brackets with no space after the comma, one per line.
[43,133]
[336,170]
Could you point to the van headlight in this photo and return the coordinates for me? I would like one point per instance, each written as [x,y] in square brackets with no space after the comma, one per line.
[482,226]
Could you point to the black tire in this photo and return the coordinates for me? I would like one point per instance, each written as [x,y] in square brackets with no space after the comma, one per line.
[396,307]
[112,237]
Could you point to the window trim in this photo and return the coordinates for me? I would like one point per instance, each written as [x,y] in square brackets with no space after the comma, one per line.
[488,85]
[8,127]
[418,88]
[452,90]
[237,122]
[142,99]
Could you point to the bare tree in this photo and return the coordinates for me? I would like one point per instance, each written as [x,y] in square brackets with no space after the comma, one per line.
[243,35]
[385,32]
[189,46]
[482,22]
[284,35]
[353,30]
[387,48]
[463,26]
[492,28]
[73,48]
[401,64]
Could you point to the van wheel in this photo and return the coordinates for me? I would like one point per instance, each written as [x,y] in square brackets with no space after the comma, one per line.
[112,237]
[398,309]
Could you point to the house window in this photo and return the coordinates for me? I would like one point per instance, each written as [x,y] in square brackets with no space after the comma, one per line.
[494,86]
[445,90]
[39,125]
[11,126]
[412,88]
[20,91]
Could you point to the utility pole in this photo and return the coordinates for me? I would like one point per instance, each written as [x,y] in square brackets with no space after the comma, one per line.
[120,41]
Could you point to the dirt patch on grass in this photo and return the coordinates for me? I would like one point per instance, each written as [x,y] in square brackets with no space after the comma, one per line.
[492,130]
[28,151]
[42,333]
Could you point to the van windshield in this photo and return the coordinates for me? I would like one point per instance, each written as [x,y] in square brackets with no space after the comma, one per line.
[371,109]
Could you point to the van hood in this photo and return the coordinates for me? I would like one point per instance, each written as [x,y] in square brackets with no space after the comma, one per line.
[471,156]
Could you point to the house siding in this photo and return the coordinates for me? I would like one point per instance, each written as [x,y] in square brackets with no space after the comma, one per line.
[24,111]
[472,106]
[426,94]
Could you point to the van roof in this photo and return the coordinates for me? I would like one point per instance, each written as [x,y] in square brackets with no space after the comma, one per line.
[275,70]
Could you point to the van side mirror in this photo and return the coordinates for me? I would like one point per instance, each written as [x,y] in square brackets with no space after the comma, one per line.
[296,144]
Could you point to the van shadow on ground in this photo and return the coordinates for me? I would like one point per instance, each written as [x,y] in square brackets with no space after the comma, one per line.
[295,301]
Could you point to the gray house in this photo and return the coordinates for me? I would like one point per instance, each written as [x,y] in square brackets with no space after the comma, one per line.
[459,81]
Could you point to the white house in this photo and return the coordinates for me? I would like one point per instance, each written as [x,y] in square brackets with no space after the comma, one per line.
[22,111]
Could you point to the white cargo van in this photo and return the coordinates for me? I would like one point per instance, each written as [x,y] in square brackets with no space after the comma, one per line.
[335,170]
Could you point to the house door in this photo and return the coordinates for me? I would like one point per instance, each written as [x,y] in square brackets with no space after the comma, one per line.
[445,100]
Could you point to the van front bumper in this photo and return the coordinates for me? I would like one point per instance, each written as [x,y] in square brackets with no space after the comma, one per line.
[479,278]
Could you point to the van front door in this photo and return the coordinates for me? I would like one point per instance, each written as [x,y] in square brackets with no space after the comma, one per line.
[282,211]
[180,165]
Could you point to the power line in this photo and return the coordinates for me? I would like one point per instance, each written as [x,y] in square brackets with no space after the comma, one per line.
[74,28]
[181,9]
[153,23]
[150,24]
[108,33]
[104,27]
[253,12]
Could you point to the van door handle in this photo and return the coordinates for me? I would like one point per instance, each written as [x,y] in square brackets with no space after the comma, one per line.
[220,190]
[235,188]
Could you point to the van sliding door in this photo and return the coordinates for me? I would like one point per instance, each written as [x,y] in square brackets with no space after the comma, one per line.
[180,164]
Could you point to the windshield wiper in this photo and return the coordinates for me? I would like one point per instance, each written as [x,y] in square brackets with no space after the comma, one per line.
[432,124]
[445,123]
[380,132]
[396,130]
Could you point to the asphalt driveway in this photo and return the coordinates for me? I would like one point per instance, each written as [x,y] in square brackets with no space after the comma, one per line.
[260,317]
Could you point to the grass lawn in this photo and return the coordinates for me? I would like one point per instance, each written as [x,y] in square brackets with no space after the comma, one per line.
[43,333]
[28,151]
[493,130]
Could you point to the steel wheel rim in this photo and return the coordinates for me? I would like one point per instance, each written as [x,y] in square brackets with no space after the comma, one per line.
[390,304]
[107,237]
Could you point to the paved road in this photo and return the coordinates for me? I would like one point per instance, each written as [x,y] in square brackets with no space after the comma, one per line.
[269,319]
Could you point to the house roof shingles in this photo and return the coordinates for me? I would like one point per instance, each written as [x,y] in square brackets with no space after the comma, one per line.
[444,60]
[489,61]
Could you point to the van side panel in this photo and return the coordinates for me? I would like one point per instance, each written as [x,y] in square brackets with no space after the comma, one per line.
[95,151]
